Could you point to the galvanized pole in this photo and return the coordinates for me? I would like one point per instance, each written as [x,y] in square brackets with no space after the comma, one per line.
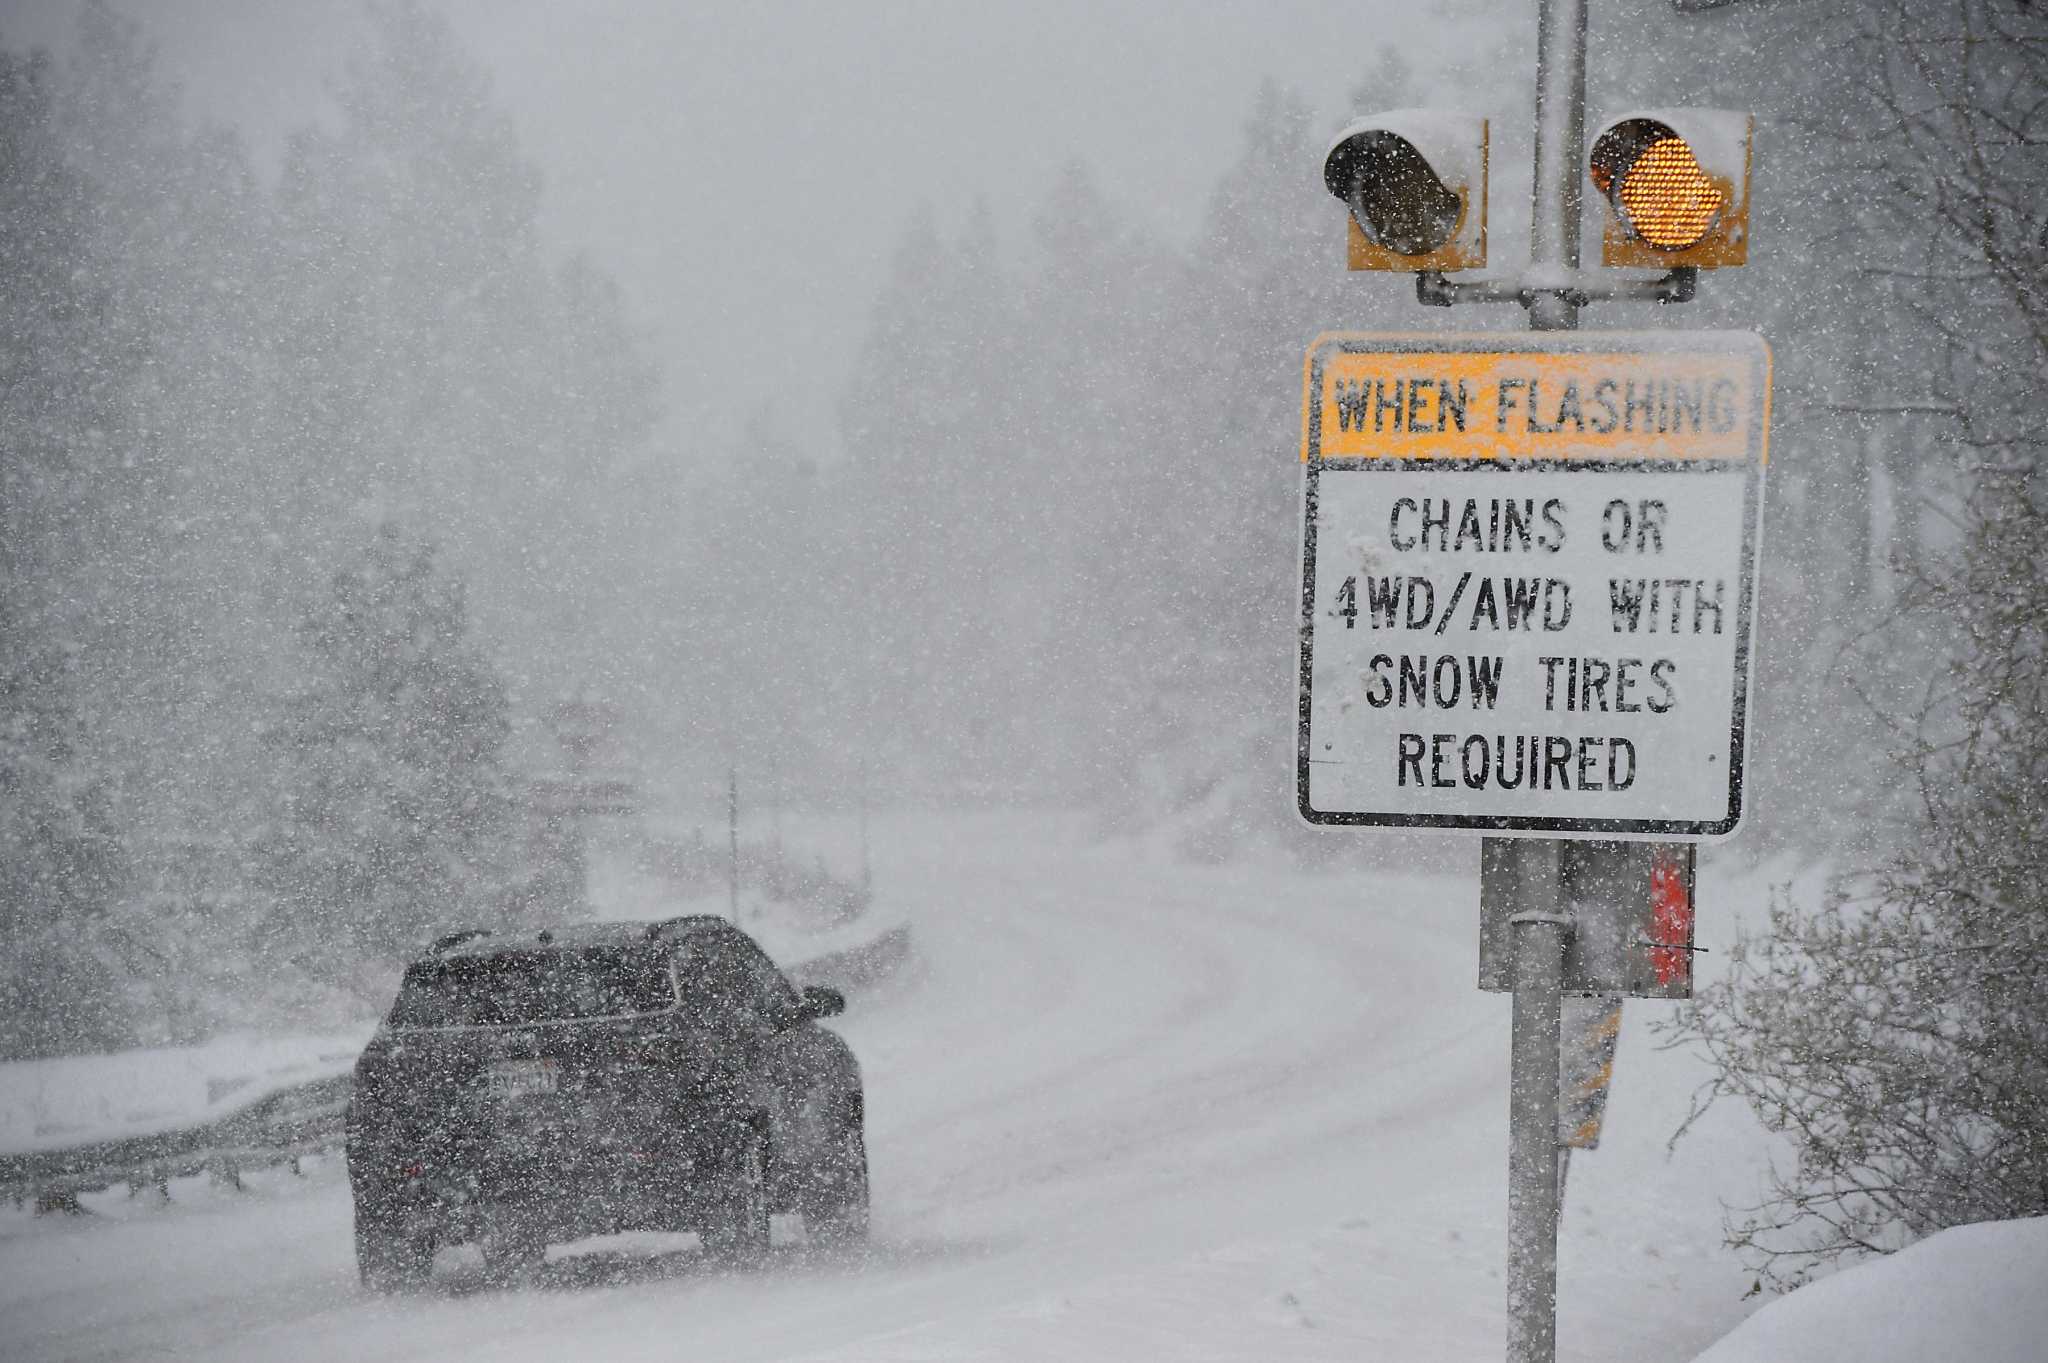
[867,879]
[732,826]
[1560,152]
[1535,1186]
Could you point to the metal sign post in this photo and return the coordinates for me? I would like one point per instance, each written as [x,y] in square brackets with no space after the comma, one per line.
[1540,932]
[1528,596]
[1535,1173]
[1560,147]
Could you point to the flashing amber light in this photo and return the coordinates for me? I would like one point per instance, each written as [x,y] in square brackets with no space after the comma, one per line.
[1667,199]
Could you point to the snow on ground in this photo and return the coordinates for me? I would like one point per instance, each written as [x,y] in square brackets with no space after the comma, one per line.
[76,1100]
[1127,1108]
[52,1104]
[1972,1294]
[618,888]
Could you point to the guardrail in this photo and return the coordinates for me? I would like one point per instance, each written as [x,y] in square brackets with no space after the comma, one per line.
[292,1123]
[281,1128]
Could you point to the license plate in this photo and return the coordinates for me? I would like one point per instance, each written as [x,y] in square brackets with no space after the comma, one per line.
[522,1078]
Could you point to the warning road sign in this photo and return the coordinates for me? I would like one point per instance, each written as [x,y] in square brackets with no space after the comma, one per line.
[1529,580]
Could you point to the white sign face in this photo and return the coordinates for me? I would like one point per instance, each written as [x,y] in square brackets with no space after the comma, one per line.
[1529,581]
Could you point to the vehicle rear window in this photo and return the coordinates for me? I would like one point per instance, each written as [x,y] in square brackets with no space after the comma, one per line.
[537,986]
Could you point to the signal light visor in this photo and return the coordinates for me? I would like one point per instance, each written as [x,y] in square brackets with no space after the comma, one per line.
[1394,193]
[1414,181]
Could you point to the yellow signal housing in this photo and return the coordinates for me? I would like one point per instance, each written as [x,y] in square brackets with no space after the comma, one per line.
[1414,181]
[1676,183]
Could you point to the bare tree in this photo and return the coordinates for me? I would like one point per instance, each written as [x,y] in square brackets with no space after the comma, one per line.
[1951,122]
[1898,1034]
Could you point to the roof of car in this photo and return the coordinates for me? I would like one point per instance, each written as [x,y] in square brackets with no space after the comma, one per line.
[570,936]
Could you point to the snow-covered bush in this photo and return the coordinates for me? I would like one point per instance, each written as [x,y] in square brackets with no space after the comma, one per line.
[1898,1034]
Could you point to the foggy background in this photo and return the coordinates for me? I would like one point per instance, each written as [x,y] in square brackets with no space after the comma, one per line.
[884,406]
[746,170]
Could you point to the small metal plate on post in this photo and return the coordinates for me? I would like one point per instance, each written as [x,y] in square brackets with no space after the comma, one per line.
[1587,1036]
[1631,906]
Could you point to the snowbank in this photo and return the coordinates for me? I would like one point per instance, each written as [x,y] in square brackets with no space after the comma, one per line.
[791,933]
[85,1099]
[1973,1294]
[1123,1107]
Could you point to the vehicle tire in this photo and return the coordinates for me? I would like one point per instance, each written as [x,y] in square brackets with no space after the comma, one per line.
[740,1240]
[392,1258]
[836,1210]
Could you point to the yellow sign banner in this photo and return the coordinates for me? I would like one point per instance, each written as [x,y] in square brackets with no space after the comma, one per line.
[1431,398]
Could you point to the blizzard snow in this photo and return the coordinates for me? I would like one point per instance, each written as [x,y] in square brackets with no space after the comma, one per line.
[792,933]
[53,1104]
[1123,1108]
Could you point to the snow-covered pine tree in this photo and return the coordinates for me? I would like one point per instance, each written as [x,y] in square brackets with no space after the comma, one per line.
[63,962]
[60,863]
[437,363]
[397,819]
[1898,1034]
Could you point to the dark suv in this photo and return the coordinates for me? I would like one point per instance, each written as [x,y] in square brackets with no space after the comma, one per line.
[600,1078]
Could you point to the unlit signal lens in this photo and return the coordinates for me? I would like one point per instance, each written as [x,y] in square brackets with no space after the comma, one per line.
[1396,196]
[1669,201]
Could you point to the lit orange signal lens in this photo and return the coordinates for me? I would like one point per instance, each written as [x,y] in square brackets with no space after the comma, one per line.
[1669,200]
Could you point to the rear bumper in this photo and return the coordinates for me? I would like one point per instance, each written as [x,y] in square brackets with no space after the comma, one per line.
[562,1189]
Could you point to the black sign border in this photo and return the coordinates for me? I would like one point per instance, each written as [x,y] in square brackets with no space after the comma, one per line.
[1738,344]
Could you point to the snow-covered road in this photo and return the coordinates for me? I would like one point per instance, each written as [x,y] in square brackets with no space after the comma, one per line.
[1122,1108]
